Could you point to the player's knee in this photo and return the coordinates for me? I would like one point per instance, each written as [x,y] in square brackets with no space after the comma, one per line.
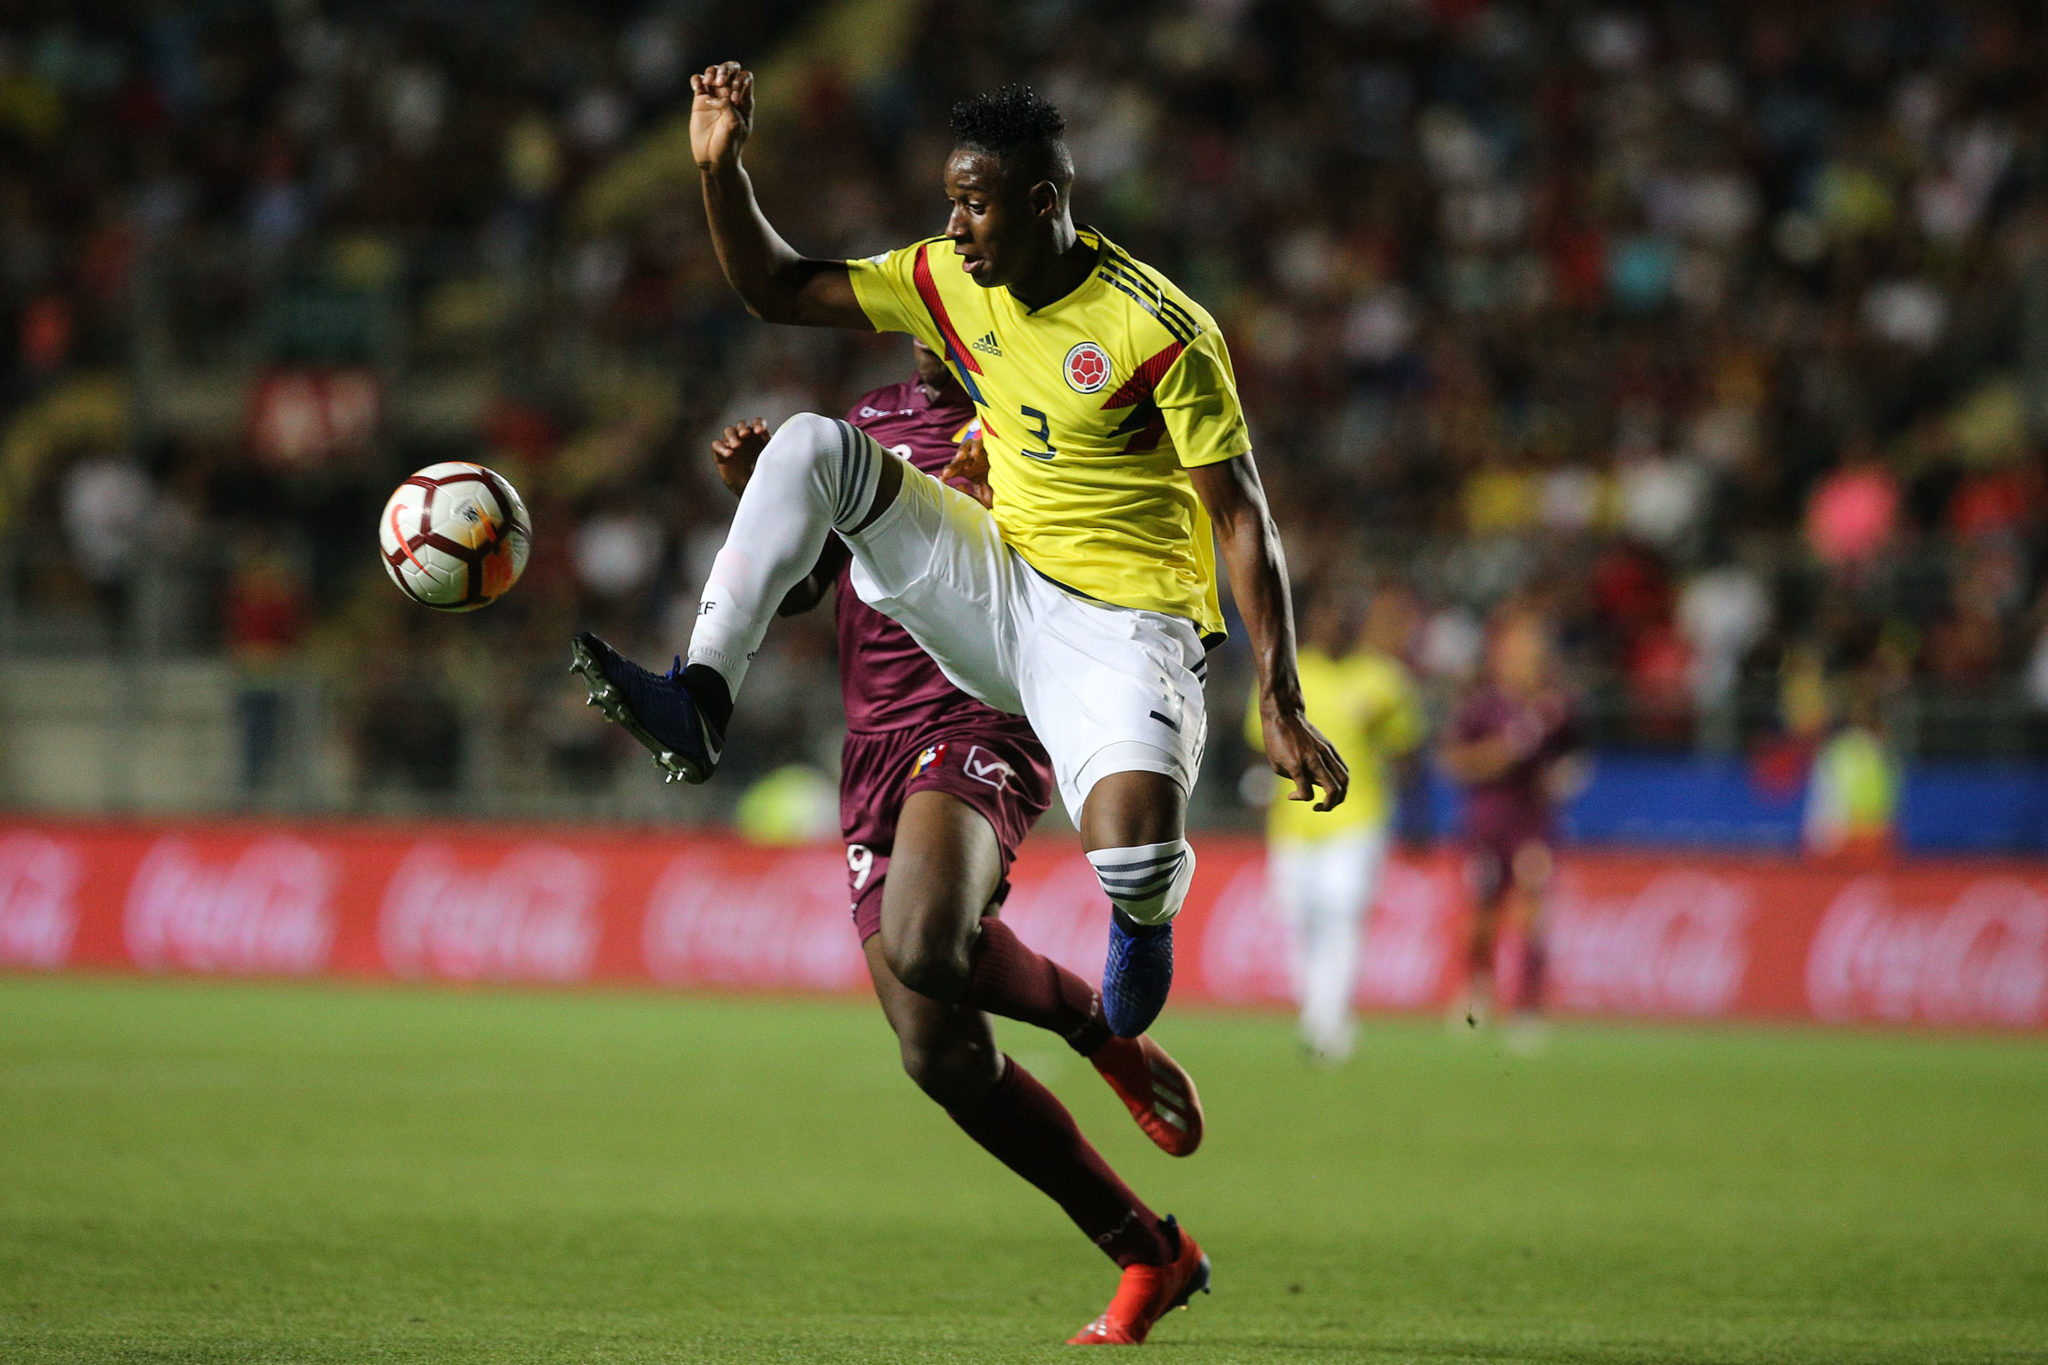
[837,468]
[810,431]
[803,444]
[1148,882]
[955,1071]
[935,964]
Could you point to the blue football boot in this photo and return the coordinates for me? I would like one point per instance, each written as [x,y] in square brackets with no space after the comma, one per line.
[1137,975]
[654,708]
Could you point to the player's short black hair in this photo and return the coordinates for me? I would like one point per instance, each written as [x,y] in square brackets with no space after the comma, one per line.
[1017,127]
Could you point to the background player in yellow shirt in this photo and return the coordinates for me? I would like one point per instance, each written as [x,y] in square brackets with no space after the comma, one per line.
[1085,601]
[1325,870]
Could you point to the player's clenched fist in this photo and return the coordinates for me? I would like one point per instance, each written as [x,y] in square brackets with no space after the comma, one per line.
[721,114]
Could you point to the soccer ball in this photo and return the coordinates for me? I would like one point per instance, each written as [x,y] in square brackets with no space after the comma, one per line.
[454,536]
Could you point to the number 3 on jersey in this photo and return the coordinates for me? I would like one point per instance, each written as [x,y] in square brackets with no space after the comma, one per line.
[1042,435]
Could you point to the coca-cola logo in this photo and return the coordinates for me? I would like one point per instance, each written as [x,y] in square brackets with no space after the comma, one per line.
[1064,915]
[1408,939]
[1246,941]
[1680,945]
[267,909]
[39,880]
[781,922]
[529,916]
[1981,959]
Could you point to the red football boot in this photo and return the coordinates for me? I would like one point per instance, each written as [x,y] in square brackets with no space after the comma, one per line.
[1159,1094]
[1147,1294]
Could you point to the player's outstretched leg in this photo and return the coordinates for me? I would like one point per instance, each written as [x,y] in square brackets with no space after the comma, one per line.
[936,940]
[815,476]
[1132,826]
[950,1051]
[1007,978]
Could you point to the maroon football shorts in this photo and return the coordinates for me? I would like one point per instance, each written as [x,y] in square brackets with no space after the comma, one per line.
[1498,859]
[995,765]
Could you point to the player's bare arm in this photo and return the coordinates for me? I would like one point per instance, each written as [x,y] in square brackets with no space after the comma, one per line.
[775,281]
[1250,544]
[1491,756]
[734,451]
[1479,760]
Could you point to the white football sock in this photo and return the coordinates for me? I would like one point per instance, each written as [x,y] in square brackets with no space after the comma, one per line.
[816,475]
[1148,882]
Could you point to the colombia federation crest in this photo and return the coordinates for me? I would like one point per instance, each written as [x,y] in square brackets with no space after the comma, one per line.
[1087,367]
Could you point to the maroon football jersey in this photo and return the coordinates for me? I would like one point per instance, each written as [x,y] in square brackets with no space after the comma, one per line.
[887,681]
[1516,805]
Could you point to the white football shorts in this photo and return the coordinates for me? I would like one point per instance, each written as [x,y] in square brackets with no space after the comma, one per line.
[1335,877]
[1108,689]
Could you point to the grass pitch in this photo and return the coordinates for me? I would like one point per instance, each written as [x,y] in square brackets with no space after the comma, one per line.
[230,1173]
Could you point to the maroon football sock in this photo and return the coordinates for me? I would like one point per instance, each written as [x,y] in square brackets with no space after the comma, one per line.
[1535,965]
[1024,1126]
[1011,980]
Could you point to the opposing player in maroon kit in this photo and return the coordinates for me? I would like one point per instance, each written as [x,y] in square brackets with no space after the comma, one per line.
[1516,745]
[936,793]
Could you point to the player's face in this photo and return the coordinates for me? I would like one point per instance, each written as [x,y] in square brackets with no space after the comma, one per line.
[1329,625]
[1521,654]
[996,228]
[1389,621]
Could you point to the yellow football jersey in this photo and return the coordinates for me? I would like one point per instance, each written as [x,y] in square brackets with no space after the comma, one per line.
[1092,408]
[1366,705]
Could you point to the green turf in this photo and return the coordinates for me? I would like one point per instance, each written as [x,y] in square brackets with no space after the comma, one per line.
[202,1172]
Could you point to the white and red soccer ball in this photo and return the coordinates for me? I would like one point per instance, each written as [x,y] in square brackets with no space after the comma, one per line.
[454,536]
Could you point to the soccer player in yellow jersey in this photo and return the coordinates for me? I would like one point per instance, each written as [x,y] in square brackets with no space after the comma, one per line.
[1325,870]
[1086,599]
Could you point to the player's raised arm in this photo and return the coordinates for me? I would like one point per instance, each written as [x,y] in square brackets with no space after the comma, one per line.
[772,279]
[1250,545]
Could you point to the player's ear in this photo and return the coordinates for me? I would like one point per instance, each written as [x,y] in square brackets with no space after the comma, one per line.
[1045,199]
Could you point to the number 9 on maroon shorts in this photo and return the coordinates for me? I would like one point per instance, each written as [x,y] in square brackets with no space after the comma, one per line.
[998,768]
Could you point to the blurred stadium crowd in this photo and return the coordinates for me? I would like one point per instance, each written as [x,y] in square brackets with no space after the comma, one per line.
[1721,331]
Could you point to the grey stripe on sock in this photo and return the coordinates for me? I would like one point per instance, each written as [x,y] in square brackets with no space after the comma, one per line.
[1141,879]
[1137,884]
[866,449]
[1145,873]
[1131,878]
[845,470]
[859,460]
[1141,865]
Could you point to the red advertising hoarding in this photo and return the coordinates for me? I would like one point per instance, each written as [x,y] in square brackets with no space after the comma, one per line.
[1955,944]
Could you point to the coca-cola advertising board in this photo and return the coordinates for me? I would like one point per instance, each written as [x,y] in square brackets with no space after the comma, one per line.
[1948,944]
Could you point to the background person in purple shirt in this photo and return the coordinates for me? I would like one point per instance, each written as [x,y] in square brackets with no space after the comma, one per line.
[936,792]
[1516,746]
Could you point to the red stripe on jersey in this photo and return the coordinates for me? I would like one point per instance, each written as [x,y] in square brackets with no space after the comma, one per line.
[1147,434]
[928,290]
[1145,379]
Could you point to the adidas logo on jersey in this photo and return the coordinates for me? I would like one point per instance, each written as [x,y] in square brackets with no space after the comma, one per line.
[987,346]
